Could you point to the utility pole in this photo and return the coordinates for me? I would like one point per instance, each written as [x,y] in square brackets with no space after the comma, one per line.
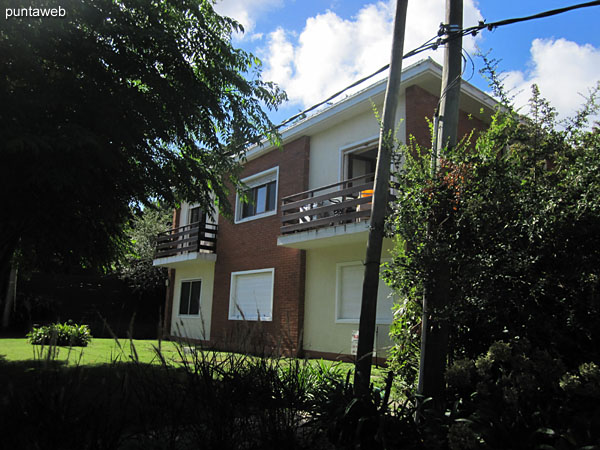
[368,310]
[435,329]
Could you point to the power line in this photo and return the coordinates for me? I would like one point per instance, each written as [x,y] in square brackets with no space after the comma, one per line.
[423,47]
[429,45]
[490,26]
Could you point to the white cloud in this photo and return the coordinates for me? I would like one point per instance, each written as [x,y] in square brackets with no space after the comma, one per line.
[332,52]
[245,11]
[562,70]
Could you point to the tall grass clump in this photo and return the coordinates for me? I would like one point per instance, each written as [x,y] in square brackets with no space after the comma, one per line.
[200,399]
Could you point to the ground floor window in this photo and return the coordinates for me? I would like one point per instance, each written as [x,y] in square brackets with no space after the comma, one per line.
[251,295]
[189,300]
[349,295]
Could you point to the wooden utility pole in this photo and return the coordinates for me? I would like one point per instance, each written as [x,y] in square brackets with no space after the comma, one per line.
[435,330]
[368,310]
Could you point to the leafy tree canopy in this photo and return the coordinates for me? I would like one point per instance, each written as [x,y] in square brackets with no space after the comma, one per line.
[118,102]
[518,220]
[136,266]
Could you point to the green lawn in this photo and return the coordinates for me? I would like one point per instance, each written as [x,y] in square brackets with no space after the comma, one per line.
[99,351]
[106,351]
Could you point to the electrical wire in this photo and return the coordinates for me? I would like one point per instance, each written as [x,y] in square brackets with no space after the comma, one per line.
[435,42]
[423,47]
[490,26]
[429,45]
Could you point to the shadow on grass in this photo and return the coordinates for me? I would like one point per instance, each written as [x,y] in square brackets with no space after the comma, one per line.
[207,402]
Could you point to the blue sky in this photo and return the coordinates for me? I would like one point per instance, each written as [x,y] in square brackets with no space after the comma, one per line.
[314,48]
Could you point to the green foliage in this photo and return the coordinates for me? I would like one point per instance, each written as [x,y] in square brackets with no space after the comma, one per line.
[61,334]
[518,221]
[519,397]
[404,356]
[118,103]
[136,266]
[199,399]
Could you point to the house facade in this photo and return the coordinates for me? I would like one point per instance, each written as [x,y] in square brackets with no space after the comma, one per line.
[285,273]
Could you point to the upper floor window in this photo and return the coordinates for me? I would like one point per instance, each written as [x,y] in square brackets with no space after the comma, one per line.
[359,163]
[196,214]
[261,194]
[359,160]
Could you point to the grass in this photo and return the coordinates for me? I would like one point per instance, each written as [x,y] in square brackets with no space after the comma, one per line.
[122,395]
[99,351]
[106,351]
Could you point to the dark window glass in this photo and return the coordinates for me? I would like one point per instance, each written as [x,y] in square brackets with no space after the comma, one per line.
[189,303]
[195,298]
[196,215]
[271,195]
[184,302]
[261,198]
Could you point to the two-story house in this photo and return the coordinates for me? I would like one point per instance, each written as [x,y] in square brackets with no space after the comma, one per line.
[286,273]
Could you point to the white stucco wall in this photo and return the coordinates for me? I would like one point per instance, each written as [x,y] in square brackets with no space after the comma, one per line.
[326,146]
[321,332]
[195,327]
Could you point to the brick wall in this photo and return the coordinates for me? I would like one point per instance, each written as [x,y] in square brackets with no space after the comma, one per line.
[253,245]
[420,104]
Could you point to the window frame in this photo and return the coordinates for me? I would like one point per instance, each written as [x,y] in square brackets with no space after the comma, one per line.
[190,214]
[233,314]
[357,147]
[338,296]
[254,181]
[191,281]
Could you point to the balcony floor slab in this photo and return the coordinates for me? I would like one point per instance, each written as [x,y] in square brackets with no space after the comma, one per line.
[177,260]
[327,236]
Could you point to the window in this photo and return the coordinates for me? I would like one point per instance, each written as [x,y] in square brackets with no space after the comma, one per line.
[358,159]
[361,163]
[349,295]
[189,300]
[196,215]
[251,295]
[261,194]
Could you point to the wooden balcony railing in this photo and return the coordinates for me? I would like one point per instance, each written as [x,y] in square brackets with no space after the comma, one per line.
[336,204]
[196,237]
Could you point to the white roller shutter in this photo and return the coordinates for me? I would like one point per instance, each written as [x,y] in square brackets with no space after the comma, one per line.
[251,295]
[349,295]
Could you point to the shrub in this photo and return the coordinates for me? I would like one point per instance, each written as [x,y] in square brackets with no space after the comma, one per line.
[518,396]
[61,334]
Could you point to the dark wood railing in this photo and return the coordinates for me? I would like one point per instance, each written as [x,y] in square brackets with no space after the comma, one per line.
[196,237]
[335,204]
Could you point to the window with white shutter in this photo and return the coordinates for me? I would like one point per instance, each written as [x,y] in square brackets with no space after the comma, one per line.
[251,295]
[349,295]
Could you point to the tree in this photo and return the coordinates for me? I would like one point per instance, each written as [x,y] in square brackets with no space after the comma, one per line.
[519,224]
[136,266]
[118,103]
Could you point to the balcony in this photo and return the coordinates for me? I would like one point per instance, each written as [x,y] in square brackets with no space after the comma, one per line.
[189,242]
[337,211]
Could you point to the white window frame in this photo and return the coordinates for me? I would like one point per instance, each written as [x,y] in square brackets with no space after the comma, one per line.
[358,146]
[338,295]
[234,312]
[189,280]
[263,177]
[186,209]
